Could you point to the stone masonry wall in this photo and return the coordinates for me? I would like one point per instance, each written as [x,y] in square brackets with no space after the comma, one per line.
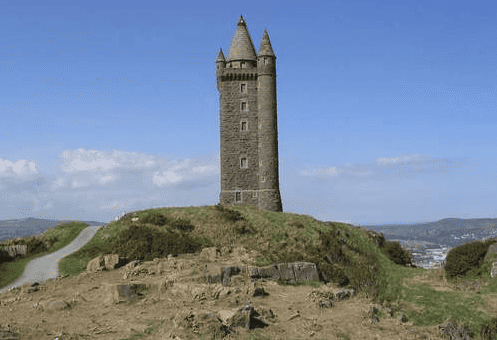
[235,143]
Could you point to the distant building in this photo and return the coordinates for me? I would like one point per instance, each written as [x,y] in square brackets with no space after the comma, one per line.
[248,123]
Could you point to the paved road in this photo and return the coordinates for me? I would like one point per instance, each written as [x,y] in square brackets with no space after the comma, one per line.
[46,267]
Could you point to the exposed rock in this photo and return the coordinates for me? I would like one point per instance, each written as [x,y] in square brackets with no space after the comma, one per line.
[491,253]
[209,254]
[295,272]
[222,322]
[453,332]
[493,271]
[127,215]
[129,269]
[106,262]
[17,250]
[97,264]
[53,305]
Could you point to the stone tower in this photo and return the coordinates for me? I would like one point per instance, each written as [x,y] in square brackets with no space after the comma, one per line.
[246,82]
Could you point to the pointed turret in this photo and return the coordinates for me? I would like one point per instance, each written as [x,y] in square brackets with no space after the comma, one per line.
[265,48]
[220,56]
[220,65]
[241,47]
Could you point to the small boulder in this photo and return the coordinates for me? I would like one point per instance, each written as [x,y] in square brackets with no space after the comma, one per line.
[451,331]
[493,271]
[106,262]
[53,305]
[97,264]
[209,254]
[130,268]
[113,261]
[491,253]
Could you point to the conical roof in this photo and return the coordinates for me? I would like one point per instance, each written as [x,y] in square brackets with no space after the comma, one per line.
[265,46]
[220,56]
[241,44]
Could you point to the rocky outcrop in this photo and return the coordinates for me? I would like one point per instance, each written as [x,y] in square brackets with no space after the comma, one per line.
[222,282]
[17,250]
[493,271]
[491,253]
[106,262]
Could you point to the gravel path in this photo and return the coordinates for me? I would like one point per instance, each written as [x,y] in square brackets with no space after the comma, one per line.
[46,267]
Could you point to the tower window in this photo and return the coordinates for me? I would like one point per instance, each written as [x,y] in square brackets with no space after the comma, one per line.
[243,163]
[244,126]
[243,64]
[238,196]
[265,61]
[243,106]
[243,88]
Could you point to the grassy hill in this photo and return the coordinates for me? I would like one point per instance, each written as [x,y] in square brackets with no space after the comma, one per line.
[342,253]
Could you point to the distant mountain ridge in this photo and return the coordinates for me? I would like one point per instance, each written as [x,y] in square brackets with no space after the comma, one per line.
[442,231]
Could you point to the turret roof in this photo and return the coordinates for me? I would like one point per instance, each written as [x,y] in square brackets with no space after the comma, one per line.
[220,56]
[265,46]
[241,44]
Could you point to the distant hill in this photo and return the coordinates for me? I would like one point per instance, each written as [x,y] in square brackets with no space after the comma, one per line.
[32,226]
[439,231]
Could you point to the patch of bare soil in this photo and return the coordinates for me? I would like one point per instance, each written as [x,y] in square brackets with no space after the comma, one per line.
[177,304]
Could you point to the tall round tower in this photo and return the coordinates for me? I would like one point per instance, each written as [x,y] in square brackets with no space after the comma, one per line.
[269,187]
[248,132]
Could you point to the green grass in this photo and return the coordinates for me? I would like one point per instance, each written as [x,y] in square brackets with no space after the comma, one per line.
[64,233]
[281,237]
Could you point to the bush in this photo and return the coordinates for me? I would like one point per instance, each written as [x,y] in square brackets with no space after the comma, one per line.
[397,254]
[156,219]
[181,225]
[464,258]
[35,246]
[228,214]
[488,331]
[138,242]
[5,257]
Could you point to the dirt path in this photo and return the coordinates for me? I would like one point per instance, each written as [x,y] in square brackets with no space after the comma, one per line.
[46,267]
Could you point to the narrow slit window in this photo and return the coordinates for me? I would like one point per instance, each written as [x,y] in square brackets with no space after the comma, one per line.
[243,162]
[244,126]
[244,106]
[243,88]
[265,61]
[238,196]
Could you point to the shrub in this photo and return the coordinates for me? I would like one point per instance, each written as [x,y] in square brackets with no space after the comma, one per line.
[488,331]
[5,257]
[181,225]
[462,259]
[157,219]
[397,254]
[228,214]
[138,242]
[35,246]
[161,220]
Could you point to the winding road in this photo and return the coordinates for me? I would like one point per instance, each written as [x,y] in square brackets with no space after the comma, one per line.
[47,267]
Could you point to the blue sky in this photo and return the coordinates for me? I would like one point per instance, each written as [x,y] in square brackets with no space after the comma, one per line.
[386,111]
